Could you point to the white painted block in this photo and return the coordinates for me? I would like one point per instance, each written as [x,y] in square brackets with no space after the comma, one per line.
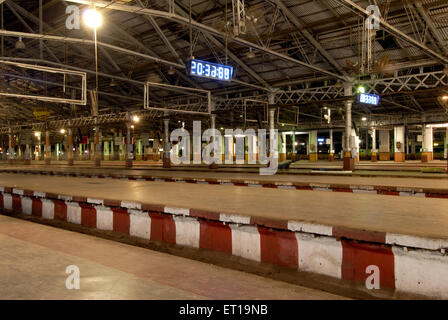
[27,205]
[18,191]
[322,255]
[7,201]
[234,218]
[421,272]
[95,201]
[73,212]
[415,242]
[310,228]
[140,224]
[187,231]
[246,242]
[177,211]
[131,205]
[104,218]
[47,209]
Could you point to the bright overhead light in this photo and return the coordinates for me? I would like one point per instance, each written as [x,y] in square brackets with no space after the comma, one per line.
[135,119]
[132,127]
[92,18]
[364,119]
[361,89]
[445,97]
[250,54]
[37,134]
[62,131]
[20,44]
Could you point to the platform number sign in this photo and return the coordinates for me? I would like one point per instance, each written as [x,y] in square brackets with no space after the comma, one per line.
[210,70]
[372,99]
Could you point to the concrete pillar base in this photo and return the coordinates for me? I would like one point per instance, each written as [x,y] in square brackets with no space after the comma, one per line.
[331,157]
[374,157]
[349,162]
[313,157]
[70,162]
[128,163]
[166,163]
[213,166]
[399,156]
[384,156]
[427,156]
[27,162]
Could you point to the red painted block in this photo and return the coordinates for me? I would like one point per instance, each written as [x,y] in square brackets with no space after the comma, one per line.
[60,210]
[356,257]
[215,236]
[88,215]
[163,227]
[36,207]
[1,201]
[16,203]
[436,195]
[121,220]
[342,190]
[279,247]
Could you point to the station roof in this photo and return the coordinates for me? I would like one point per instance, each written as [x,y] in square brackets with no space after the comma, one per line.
[305,51]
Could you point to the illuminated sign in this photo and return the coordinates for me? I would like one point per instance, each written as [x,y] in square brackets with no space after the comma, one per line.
[320,139]
[210,70]
[366,98]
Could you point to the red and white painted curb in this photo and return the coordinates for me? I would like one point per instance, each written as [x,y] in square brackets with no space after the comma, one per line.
[406,264]
[366,189]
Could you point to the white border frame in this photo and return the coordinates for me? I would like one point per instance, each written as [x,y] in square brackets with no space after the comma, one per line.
[83,100]
[155,84]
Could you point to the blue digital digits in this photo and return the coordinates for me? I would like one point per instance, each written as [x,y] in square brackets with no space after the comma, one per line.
[210,70]
[366,98]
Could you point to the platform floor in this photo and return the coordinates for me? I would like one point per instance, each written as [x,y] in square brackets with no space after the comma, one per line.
[439,181]
[33,264]
[424,217]
[363,168]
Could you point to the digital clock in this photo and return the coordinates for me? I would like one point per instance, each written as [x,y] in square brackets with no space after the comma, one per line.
[210,70]
[366,98]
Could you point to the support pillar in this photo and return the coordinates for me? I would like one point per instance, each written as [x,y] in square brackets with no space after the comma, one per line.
[10,148]
[374,157]
[384,136]
[70,147]
[282,147]
[129,155]
[47,148]
[27,154]
[427,147]
[312,142]
[212,139]
[445,148]
[331,155]
[399,144]
[349,161]
[166,144]
[97,145]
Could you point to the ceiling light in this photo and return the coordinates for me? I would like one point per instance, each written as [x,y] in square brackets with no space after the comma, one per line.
[361,89]
[136,119]
[113,83]
[92,18]
[171,71]
[37,134]
[20,44]
[62,131]
[250,54]
[364,119]
[445,97]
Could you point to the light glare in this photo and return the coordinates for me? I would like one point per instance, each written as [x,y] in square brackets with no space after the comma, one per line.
[92,18]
